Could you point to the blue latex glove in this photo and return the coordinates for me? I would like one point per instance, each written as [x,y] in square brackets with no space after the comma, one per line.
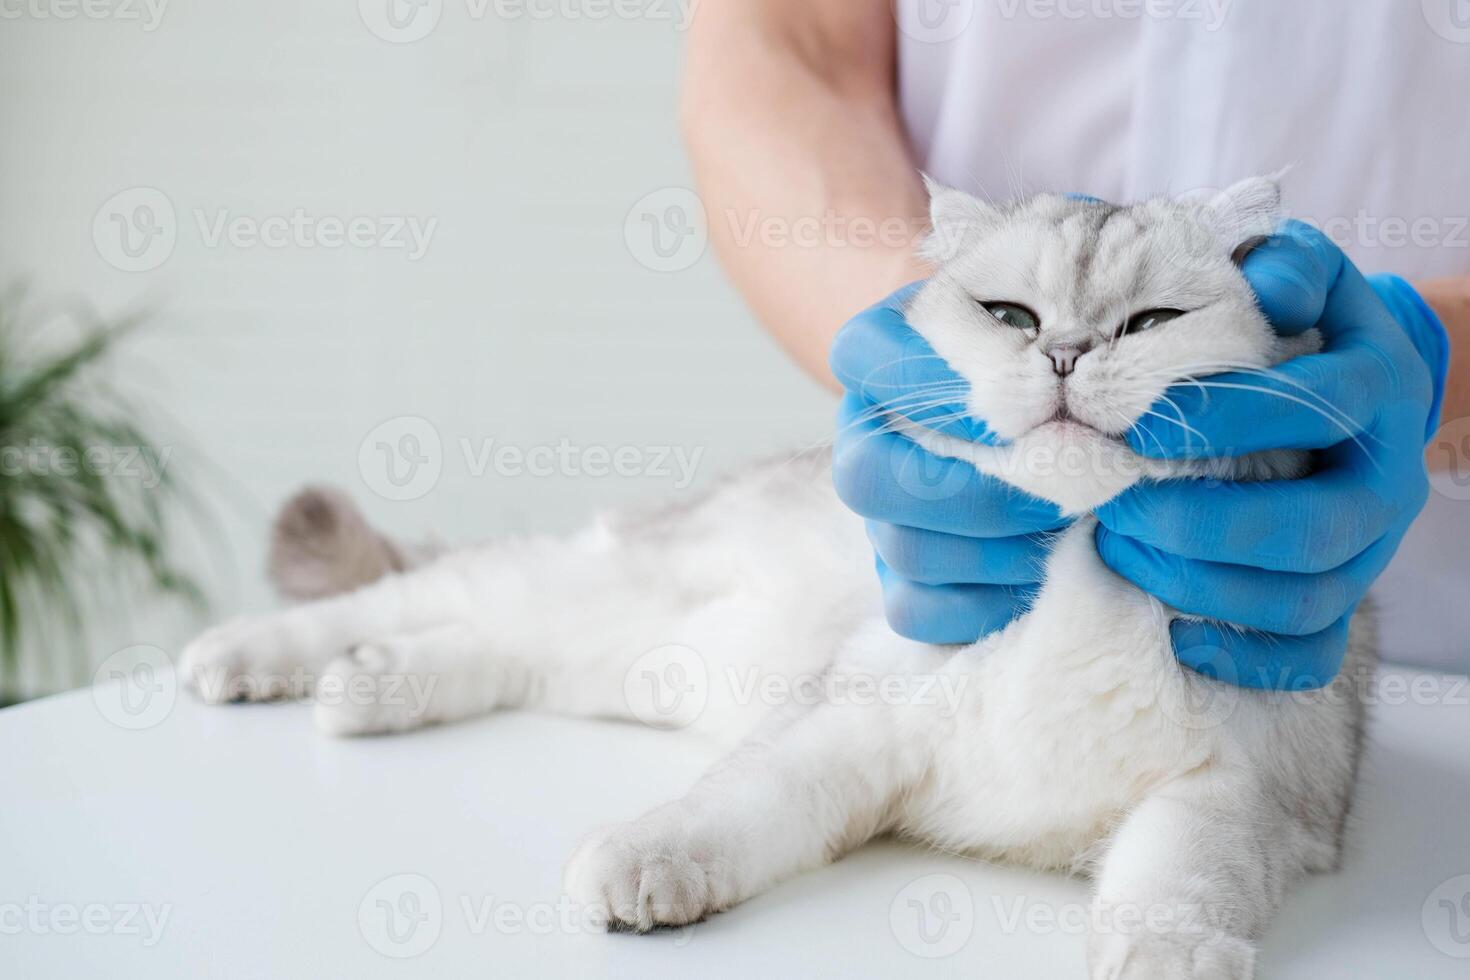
[1290,559]
[958,553]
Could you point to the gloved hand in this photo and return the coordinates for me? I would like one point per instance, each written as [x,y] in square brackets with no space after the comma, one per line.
[1290,559]
[958,553]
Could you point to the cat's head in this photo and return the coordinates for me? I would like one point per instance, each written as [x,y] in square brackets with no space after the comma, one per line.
[1069,317]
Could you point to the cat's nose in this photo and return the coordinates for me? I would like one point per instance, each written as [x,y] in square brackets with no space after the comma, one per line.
[1064,359]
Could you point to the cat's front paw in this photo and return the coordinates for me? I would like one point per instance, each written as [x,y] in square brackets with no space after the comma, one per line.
[370,690]
[1172,955]
[647,874]
[245,659]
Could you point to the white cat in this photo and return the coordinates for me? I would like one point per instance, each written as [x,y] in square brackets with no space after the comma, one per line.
[1070,740]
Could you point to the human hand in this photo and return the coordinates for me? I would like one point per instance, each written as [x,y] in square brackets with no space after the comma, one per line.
[1289,561]
[958,553]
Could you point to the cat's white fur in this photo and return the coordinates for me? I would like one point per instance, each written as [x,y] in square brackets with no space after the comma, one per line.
[1070,740]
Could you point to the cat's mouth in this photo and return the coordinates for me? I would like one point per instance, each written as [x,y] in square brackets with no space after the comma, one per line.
[1064,422]
[1063,415]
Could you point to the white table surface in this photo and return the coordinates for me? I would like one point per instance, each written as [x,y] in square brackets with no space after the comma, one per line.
[267,846]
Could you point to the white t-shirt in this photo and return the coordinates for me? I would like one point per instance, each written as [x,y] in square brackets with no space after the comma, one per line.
[1367,102]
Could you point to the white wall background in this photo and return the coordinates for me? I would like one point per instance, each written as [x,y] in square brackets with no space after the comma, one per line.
[529,320]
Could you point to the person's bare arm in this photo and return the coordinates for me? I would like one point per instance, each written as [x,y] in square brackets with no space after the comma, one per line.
[813,198]
[1450,298]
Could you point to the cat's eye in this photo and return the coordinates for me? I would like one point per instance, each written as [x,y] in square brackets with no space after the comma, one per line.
[1013,315]
[1147,320]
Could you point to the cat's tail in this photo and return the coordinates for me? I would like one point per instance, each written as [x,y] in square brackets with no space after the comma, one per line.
[321,545]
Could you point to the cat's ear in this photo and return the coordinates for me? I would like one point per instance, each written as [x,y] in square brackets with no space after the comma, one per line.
[1245,214]
[954,219]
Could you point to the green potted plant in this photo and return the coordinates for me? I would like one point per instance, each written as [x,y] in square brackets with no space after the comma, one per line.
[79,528]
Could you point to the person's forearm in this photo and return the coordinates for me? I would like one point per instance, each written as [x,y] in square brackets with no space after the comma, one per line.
[812,196]
[1450,298]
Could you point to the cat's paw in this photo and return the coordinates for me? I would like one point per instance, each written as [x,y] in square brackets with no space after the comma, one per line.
[245,659]
[371,691]
[1180,955]
[647,874]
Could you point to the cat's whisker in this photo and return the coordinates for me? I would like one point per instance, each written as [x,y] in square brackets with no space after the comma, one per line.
[896,424]
[888,416]
[896,407]
[867,382]
[1188,373]
[1347,431]
[951,392]
[1181,421]
[1134,425]
[903,407]
[1204,443]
